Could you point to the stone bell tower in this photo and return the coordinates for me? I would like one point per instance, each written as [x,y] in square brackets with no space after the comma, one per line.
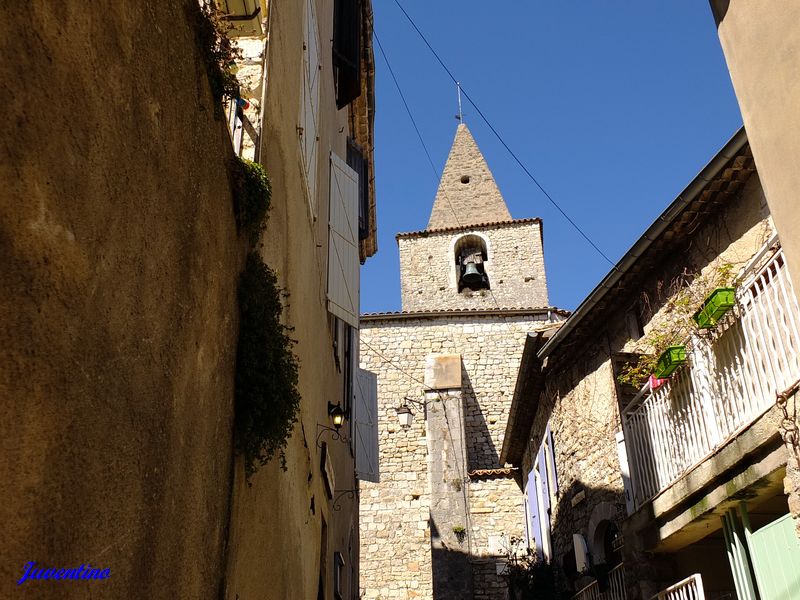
[472,254]
[474,290]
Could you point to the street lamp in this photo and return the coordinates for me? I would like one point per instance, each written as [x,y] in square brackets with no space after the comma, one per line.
[337,414]
[404,413]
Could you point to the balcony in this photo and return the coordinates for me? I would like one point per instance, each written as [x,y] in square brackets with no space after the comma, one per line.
[615,587]
[732,377]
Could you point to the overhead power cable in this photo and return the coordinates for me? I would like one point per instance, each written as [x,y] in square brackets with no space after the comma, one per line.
[427,153]
[500,138]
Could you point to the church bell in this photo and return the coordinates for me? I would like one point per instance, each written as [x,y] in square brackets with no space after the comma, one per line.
[471,276]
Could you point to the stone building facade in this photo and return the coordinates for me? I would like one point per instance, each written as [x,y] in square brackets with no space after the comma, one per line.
[438,523]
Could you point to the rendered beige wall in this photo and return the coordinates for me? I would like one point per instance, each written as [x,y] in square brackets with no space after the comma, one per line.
[761,42]
[118,336]
[118,301]
[762,49]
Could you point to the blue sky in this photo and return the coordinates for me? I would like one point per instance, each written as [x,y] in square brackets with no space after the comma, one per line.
[614,107]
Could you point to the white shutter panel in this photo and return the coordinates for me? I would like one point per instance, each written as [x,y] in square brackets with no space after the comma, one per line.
[625,471]
[365,421]
[310,104]
[343,263]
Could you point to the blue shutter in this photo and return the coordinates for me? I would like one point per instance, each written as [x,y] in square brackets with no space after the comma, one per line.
[542,462]
[533,511]
[551,449]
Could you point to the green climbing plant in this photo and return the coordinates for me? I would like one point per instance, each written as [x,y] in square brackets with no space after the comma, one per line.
[252,193]
[684,295]
[266,396]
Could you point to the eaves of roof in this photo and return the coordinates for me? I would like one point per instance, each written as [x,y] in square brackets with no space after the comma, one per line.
[720,180]
[424,232]
[457,312]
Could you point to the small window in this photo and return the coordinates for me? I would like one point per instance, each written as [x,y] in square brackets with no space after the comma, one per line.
[465,179]
[347,51]
[349,366]
[633,323]
[359,164]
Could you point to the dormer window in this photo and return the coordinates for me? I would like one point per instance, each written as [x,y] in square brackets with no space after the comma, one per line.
[470,258]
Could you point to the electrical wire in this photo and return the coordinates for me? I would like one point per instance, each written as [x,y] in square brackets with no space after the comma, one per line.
[502,141]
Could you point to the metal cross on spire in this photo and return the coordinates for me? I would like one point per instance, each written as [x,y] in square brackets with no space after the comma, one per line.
[460,115]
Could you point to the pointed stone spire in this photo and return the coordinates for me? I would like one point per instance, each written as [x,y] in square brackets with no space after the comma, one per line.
[468,194]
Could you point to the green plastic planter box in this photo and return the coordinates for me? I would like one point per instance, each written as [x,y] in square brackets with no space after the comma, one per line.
[673,357]
[720,301]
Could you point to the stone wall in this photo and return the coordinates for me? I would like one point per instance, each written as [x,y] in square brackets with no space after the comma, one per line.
[581,406]
[396,531]
[496,515]
[515,268]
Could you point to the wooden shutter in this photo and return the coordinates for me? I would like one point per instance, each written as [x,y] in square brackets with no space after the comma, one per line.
[309,110]
[347,51]
[551,461]
[365,422]
[533,512]
[343,263]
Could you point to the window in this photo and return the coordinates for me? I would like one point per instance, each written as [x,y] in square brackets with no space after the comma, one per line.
[347,51]
[633,323]
[357,162]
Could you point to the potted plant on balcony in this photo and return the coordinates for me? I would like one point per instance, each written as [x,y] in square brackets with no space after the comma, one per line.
[661,349]
[719,302]
[672,358]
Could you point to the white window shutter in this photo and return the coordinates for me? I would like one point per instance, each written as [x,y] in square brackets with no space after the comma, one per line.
[343,262]
[625,471]
[365,426]
[309,110]
[581,552]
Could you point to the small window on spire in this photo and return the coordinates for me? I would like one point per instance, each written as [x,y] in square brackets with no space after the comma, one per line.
[465,179]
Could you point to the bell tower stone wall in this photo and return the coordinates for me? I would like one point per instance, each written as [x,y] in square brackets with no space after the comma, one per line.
[515,268]
[437,525]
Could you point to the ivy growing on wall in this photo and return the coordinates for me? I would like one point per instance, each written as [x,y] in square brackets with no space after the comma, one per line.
[252,192]
[267,400]
[219,52]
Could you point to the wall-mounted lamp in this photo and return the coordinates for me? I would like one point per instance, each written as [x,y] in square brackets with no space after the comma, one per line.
[337,415]
[404,413]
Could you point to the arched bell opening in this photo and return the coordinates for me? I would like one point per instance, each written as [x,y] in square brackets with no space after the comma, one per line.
[470,258]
